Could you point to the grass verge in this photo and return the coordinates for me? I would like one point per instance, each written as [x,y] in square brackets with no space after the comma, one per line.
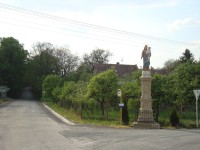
[71,115]
[188,120]
[2,100]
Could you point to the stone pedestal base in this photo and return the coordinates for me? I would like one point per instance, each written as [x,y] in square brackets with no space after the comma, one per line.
[145,118]
[146,125]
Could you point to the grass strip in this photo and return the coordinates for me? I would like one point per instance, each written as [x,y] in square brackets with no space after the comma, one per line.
[71,115]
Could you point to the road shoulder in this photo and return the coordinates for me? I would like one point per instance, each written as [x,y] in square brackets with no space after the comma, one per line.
[5,103]
[58,115]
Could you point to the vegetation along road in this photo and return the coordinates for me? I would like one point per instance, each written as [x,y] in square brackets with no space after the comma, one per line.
[27,125]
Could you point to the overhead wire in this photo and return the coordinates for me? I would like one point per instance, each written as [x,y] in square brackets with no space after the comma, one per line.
[109,38]
[87,26]
[73,34]
[133,42]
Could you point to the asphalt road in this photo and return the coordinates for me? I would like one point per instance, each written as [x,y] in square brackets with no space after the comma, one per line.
[27,125]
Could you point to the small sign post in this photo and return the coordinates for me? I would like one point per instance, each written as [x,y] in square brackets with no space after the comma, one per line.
[197,93]
[119,94]
[121,105]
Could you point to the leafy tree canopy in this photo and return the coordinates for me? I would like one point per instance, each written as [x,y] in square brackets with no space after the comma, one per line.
[103,87]
[187,57]
[99,56]
[13,59]
[50,82]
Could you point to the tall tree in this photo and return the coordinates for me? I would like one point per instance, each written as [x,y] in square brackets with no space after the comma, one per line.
[13,59]
[171,64]
[43,62]
[68,62]
[103,88]
[187,57]
[158,92]
[99,56]
[181,84]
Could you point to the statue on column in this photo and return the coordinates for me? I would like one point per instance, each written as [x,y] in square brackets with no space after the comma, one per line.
[146,54]
[145,116]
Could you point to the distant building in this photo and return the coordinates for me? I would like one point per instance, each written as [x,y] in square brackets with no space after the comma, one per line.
[160,71]
[120,69]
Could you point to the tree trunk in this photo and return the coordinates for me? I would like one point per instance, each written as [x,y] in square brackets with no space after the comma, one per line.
[107,114]
[87,113]
[181,111]
[81,111]
[157,111]
[102,108]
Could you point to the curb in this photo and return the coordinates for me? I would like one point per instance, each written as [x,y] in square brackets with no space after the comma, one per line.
[2,104]
[58,115]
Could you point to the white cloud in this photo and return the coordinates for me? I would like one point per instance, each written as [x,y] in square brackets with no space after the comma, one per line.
[158,4]
[180,23]
[145,4]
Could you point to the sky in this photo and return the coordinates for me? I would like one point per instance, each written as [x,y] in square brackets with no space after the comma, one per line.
[122,27]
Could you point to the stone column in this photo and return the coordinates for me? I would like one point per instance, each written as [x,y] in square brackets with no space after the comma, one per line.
[145,117]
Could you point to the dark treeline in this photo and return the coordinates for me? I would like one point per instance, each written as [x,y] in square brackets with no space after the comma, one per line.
[21,68]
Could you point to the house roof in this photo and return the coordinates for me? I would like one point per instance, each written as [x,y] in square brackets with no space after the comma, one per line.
[161,71]
[121,69]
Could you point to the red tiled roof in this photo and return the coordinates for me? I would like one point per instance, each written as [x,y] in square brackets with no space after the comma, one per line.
[120,69]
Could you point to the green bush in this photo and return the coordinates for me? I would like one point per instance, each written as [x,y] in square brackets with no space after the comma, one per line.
[56,92]
[164,123]
[174,119]
[50,82]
